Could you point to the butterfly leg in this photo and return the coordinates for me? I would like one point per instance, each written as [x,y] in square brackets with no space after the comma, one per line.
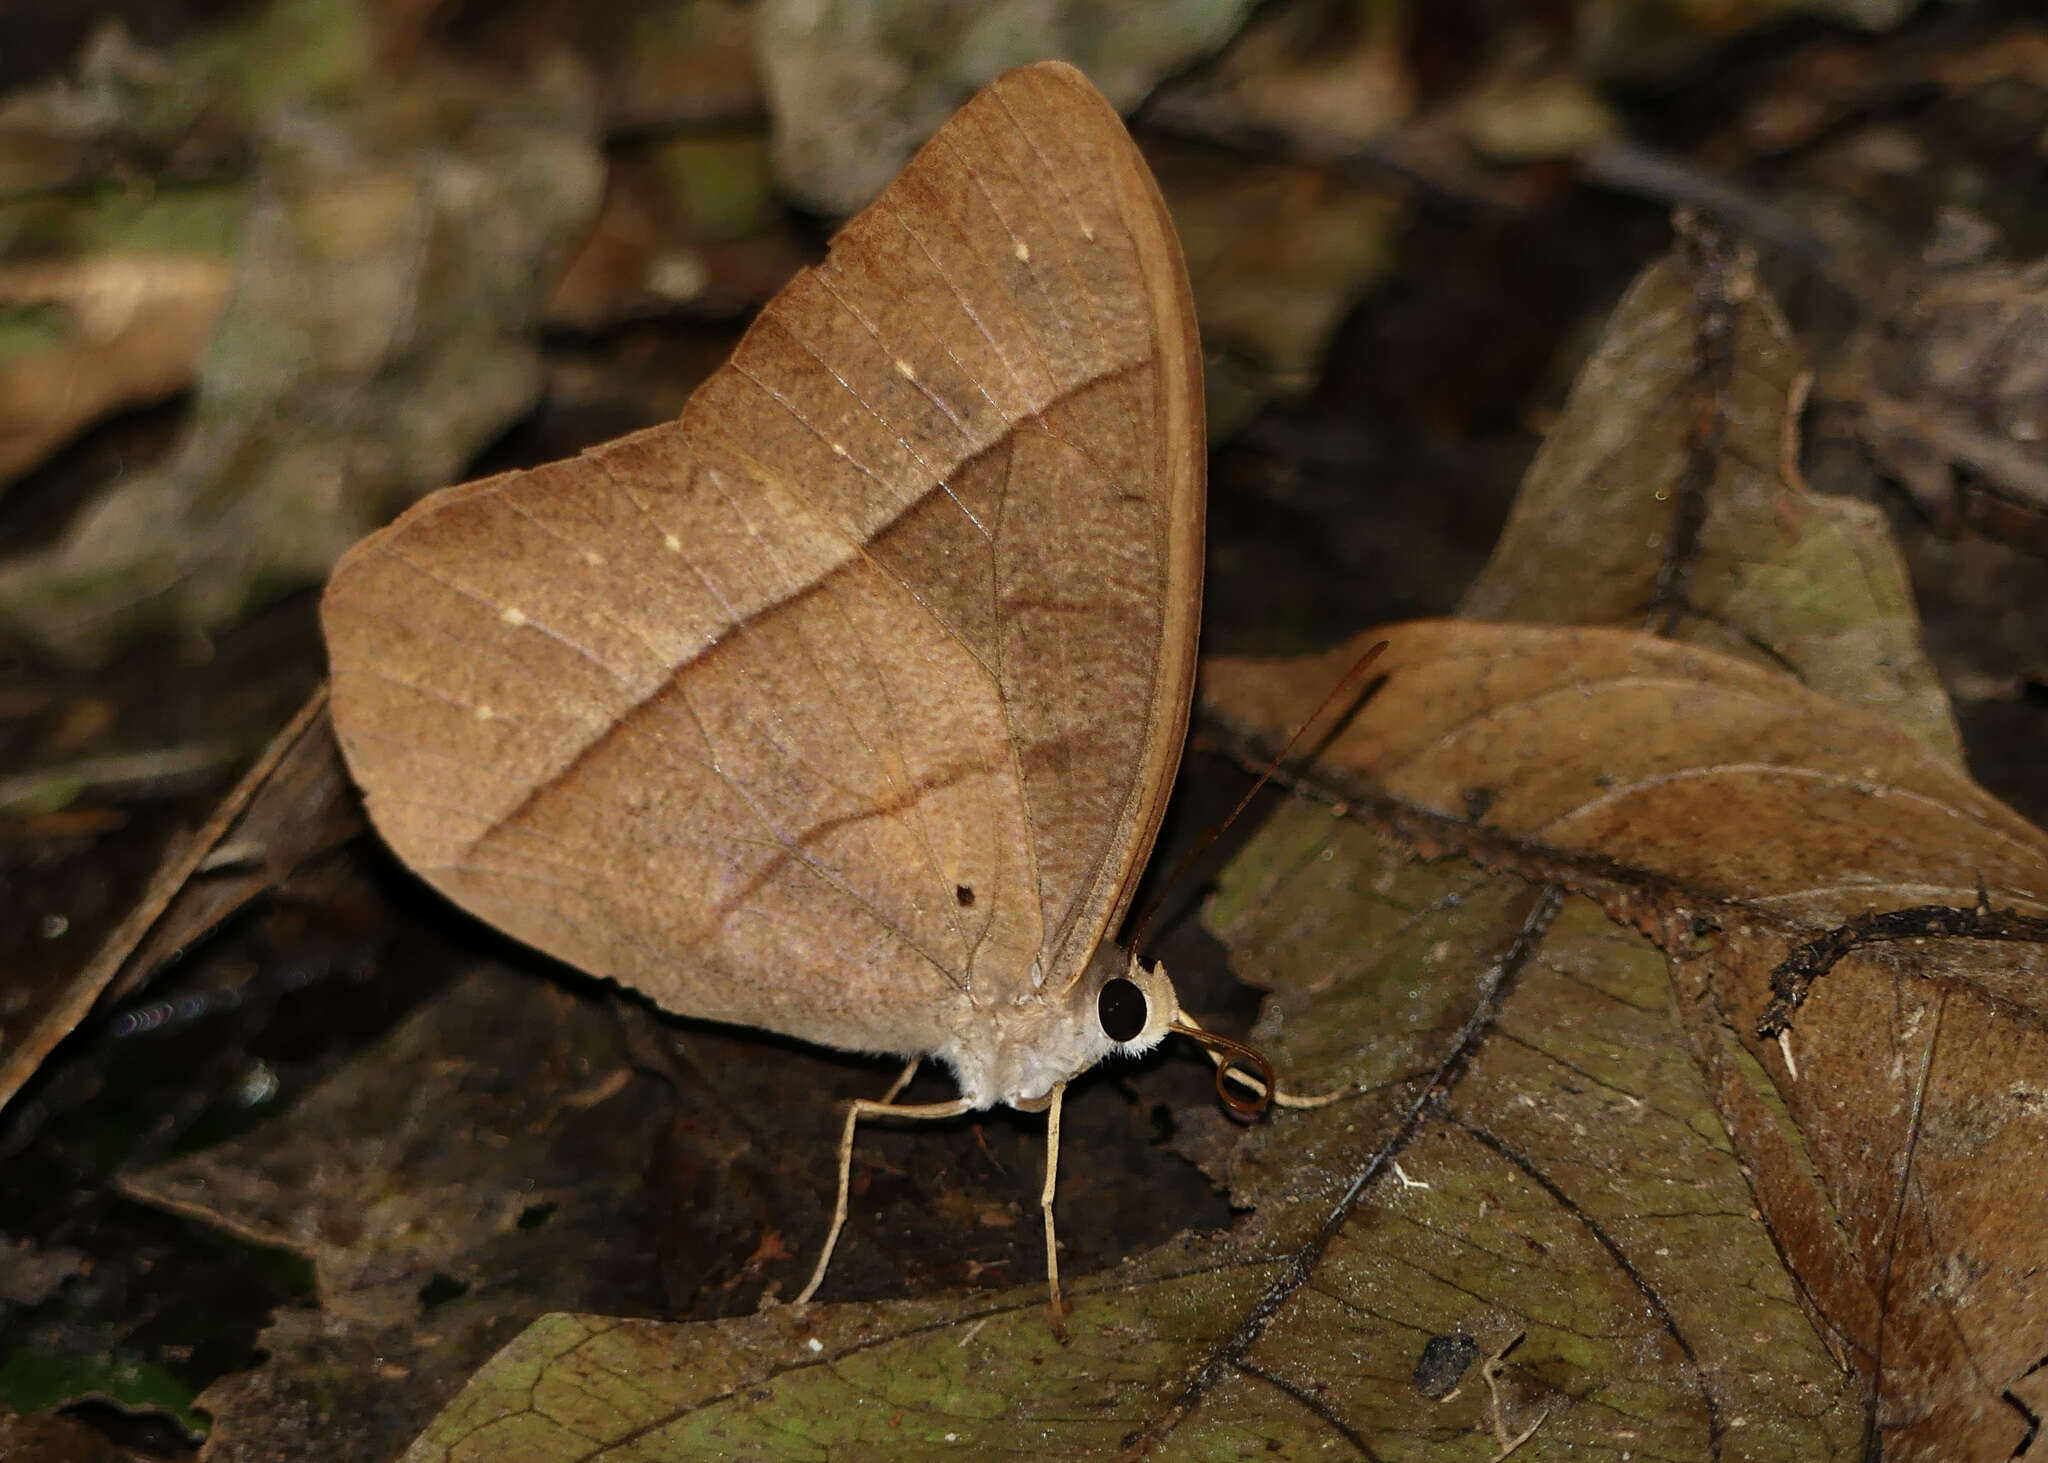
[1052,1174]
[855,1111]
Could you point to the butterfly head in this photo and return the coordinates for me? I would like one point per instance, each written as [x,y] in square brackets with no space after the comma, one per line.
[1133,1007]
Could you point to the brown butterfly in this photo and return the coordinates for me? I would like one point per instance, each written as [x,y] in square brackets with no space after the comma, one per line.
[846,705]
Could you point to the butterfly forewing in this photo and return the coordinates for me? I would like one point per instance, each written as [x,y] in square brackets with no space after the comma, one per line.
[848,702]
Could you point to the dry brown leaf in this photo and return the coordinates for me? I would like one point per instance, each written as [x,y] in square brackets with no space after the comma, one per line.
[1659,499]
[1896,1134]
[142,322]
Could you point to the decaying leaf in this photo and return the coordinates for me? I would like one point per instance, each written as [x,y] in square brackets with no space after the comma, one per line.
[141,324]
[1738,818]
[393,261]
[1277,253]
[856,90]
[1658,498]
[291,805]
[1955,377]
[1301,1334]
[435,1205]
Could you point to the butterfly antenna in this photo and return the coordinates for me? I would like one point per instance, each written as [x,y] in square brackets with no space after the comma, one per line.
[1208,839]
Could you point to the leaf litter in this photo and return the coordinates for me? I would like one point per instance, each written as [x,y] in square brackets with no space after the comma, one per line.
[1577,1144]
[352,367]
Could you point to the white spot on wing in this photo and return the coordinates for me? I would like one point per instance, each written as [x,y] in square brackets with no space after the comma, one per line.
[513,617]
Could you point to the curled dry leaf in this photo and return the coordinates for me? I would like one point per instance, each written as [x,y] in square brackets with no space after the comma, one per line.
[141,324]
[1658,497]
[1736,818]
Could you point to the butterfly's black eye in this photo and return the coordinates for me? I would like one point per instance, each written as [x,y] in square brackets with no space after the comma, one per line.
[1121,1009]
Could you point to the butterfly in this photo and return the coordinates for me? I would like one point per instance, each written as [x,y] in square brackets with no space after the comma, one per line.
[846,705]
